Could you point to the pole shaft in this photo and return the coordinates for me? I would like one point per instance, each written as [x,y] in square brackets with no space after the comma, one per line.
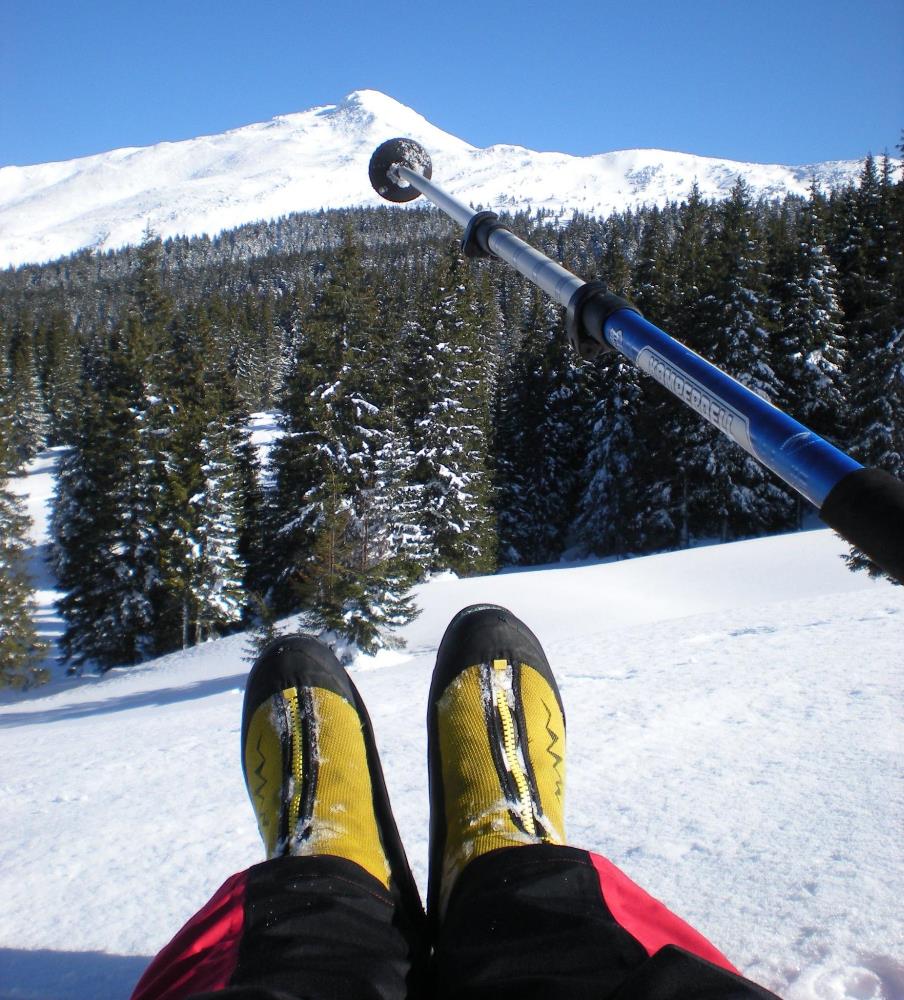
[460,212]
[554,279]
[801,458]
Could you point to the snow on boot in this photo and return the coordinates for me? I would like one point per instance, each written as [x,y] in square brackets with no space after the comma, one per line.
[496,745]
[311,764]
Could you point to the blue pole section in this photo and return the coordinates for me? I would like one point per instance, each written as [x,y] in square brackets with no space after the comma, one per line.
[798,456]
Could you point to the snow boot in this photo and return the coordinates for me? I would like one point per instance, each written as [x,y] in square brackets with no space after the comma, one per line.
[311,766]
[496,746]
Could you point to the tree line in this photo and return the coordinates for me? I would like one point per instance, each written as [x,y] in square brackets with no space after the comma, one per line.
[431,417]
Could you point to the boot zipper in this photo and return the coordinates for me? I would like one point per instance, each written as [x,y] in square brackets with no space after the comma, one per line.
[301,724]
[499,675]
[297,758]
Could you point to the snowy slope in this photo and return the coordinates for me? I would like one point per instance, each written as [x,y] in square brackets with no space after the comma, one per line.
[735,742]
[318,159]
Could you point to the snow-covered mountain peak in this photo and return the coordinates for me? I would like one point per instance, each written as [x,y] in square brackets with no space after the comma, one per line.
[368,117]
[374,104]
[317,159]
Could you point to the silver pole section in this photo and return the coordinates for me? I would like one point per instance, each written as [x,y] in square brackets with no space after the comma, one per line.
[554,279]
[451,206]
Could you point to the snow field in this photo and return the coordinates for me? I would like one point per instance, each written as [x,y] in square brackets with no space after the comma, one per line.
[734,743]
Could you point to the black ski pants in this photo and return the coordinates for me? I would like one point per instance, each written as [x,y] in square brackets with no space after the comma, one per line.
[522,923]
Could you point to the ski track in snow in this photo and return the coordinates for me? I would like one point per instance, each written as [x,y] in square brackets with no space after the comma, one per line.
[734,743]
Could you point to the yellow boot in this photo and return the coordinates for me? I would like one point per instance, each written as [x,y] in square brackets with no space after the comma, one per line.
[496,746]
[311,765]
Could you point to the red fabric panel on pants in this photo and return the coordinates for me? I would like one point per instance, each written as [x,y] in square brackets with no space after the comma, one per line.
[646,919]
[203,954]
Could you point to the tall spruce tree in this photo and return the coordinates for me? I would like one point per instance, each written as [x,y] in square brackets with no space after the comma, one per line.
[662,432]
[518,454]
[202,429]
[562,436]
[105,520]
[60,376]
[399,534]
[541,439]
[28,419]
[312,498]
[451,434]
[384,524]
[680,440]
[252,543]
[327,519]
[607,521]
[742,498]
[612,490]
[21,652]
[872,285]
[810,349]
[810,356]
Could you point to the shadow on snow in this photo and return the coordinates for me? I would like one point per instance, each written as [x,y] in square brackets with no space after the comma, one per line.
[140,699]
[67,975]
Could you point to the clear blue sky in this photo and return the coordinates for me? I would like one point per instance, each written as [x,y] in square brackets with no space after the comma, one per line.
[792,81]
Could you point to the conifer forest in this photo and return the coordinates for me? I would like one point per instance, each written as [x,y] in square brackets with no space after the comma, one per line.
[431,416]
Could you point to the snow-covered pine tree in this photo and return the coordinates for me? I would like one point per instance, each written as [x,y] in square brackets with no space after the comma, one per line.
[809,354]
[412,403]
[253,341]
[385,534]
[324,519]
[384,524]
[103,520]
[268,348]
[607,522]
[518,446]
[872,284]
[541,439]
[106,516]
[322,580]
[311,499]
[293,315]
[615,260]
[741,497]
[396,501]
[60,376]
[653,279]
[612,492]
[28,419]
[490,338]
[202,428]
[451,435]
[219,596]
[21,652]
[252,542]
[563,436]
[663,431]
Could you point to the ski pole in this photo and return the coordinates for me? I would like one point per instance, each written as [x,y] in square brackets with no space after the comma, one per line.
[865,506]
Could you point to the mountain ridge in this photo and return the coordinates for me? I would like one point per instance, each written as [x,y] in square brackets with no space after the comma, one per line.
[317,158]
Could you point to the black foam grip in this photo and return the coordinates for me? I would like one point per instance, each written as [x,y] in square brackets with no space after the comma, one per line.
[866,507]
